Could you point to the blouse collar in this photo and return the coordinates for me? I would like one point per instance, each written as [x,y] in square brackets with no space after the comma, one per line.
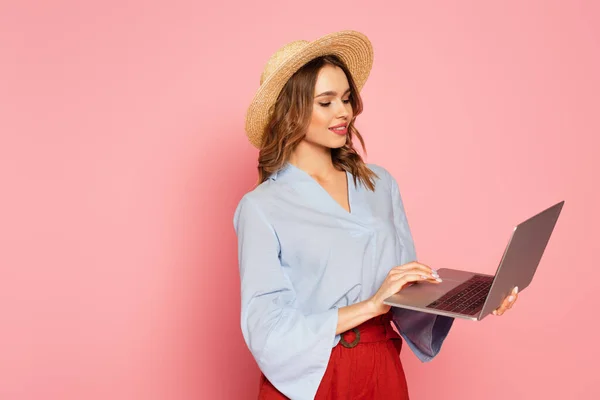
[290,172]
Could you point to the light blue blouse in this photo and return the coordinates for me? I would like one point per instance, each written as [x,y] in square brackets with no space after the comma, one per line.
[302,256]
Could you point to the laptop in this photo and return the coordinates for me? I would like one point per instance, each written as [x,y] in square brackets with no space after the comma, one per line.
[472,295]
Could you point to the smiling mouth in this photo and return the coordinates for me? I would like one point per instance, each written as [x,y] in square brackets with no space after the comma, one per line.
[340,129]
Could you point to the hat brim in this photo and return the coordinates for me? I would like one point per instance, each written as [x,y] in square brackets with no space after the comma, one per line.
[352,47]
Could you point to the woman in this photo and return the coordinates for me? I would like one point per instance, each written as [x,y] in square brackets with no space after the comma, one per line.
[323,239]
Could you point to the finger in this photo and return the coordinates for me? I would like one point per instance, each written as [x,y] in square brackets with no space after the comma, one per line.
[412,265]
[409,264]
[508,301]
[506,304]
[415,270]
[515,293]
[399,277]
[512,303]
[503,307]
[500,310]
[398,284]
[425,277]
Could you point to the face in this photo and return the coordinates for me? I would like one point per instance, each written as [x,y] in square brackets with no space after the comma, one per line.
[332,111]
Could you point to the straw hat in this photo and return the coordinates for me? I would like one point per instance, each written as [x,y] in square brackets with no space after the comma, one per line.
[352,47]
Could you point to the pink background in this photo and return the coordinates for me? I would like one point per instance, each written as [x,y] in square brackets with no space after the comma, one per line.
[123,156]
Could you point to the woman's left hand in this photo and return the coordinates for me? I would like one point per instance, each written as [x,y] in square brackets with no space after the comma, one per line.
[508,302]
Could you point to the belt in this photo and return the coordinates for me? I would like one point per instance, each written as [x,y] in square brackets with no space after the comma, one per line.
[376,329]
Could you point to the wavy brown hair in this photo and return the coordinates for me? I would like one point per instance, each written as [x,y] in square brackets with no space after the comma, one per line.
[290,118]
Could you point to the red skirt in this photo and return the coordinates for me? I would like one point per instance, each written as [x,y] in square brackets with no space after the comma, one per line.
[362,366]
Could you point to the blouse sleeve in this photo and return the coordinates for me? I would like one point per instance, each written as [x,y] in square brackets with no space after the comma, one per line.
[423,332]
[291,349]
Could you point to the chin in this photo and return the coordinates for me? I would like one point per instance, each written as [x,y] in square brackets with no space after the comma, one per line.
[330,143]
[338,145]
[337,142]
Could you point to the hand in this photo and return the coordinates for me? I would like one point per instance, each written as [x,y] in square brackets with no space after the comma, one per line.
[508,302]
[396,279]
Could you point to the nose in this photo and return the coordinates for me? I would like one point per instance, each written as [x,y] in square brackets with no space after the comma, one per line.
[342,110]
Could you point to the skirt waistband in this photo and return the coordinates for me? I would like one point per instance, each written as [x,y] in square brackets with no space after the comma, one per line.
[376,329]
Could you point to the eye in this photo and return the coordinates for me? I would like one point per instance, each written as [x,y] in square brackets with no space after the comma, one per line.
[325,104]
[346,101]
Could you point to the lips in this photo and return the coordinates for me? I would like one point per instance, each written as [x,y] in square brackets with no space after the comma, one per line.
[341,129]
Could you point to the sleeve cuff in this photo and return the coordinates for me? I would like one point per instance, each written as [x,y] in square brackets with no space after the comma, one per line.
[423,332]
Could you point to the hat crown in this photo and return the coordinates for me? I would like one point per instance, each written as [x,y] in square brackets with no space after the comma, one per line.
[281,56]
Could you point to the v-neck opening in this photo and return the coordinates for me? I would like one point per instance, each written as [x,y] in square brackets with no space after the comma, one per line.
[348,195]
[348,191]
[349,211]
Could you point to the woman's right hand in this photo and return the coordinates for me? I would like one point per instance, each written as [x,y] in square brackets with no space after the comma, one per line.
[397,278]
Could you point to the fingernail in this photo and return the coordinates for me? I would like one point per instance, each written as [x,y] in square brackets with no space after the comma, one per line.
[424,277]
[516,290]
[511,298]
[438,279]
[435,275]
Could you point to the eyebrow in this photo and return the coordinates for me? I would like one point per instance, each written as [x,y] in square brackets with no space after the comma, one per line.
[331,93]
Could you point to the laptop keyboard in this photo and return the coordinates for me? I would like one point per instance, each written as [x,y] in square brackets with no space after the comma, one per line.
[467,298]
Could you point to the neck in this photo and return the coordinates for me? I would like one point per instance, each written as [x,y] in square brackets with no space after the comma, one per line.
[314,160]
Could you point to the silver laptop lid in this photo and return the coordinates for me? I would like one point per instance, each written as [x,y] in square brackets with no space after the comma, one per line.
[522,256]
